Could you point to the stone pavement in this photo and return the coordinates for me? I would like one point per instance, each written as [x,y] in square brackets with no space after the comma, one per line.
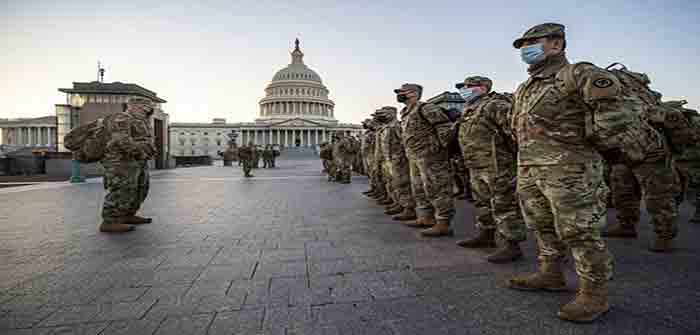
[289,253]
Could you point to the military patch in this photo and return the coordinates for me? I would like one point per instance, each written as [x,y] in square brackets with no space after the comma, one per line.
[602,83]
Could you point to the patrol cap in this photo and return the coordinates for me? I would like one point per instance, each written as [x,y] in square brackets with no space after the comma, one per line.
[474,81]
[541,30]
[410,87]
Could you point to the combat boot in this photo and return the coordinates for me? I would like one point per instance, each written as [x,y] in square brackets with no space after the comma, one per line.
[661,245]
[394,210]
[485,239]
[509,252]
[441,228]
[408,214]
[115,225]
[422,222]
[590,303]
[548,278]
[387,201]
[135,219]
[621,230]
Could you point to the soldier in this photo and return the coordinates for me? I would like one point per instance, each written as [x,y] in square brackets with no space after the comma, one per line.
[256,155]
[229,154]
[426,133]
[395,163]
[275,154]
[326,155]
[366,143]
[125,162]
[246,154]
[490,154]
[343,151]
[267,157]
[656,181]
[560,175]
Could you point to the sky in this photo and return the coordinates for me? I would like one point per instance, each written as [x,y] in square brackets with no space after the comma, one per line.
[213,59]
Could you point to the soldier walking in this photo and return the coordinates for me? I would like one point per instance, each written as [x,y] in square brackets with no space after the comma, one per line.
[125,162]
[246,154]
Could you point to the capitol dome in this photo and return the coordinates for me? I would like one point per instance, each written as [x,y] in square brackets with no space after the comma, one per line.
[296,91]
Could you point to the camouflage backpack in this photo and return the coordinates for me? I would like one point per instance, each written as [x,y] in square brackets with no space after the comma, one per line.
[666,117]
[619,134]
[88,141]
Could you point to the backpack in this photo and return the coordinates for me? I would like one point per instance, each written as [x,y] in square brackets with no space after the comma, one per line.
[666,117]
[88,141]
[621,135]
[449,140]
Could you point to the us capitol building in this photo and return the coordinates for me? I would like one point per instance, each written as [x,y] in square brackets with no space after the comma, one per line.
[295,112]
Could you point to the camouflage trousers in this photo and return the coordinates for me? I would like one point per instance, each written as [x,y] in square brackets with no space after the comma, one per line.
[247,166]
[399,181]
[496,203]
[689,175]
[330,169]
[343,169]
[431,183]
[127,184]
[655,182]
[377,177]
[565,206]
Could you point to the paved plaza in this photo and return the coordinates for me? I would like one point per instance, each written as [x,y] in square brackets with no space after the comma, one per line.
[289,253]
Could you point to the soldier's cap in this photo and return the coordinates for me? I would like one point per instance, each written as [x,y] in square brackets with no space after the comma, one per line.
[409,87]
[140,101]
[541,30]
[474,81]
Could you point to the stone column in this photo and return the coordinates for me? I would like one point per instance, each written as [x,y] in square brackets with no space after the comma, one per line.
[316,134]
[308,137]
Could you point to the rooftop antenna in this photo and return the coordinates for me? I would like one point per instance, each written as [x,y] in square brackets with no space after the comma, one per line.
[100,72]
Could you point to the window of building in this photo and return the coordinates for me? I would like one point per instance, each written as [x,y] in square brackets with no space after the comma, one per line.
[182,133]
[218,142]
[182,141]
[192,152]
[205,133]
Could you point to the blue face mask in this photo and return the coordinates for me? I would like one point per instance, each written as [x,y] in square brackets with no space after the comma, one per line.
[532,54]
[469,94]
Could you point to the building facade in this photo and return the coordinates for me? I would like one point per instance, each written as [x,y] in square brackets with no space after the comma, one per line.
[29,132]
[87,102]
[295,112]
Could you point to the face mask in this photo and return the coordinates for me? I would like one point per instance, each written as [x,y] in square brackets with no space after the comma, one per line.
[402,98]
[532,54]
[471,93]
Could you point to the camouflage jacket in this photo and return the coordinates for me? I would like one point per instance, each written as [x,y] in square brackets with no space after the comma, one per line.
[391,142]
[549,122]
[246,152]
[422,126]
[130,138]
[485,136]
[367,145]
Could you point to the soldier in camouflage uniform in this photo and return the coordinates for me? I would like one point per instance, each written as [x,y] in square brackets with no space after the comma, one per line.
[560,175]
[246,154]
[656,181]
[395,166]
[366,143]
[343,152]
[426,132]
[255,156]
[267,156]
[126,155]
[688,166]
[489,152]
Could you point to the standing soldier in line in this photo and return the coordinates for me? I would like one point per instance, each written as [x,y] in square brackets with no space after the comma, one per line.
[375,165]
[396,166]
[275,154]
[126,155]
[486,140]
[426,133]
[560,174]
[245,154]
[365,145]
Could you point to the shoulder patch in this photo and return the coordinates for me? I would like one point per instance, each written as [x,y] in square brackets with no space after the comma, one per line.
[602,83]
